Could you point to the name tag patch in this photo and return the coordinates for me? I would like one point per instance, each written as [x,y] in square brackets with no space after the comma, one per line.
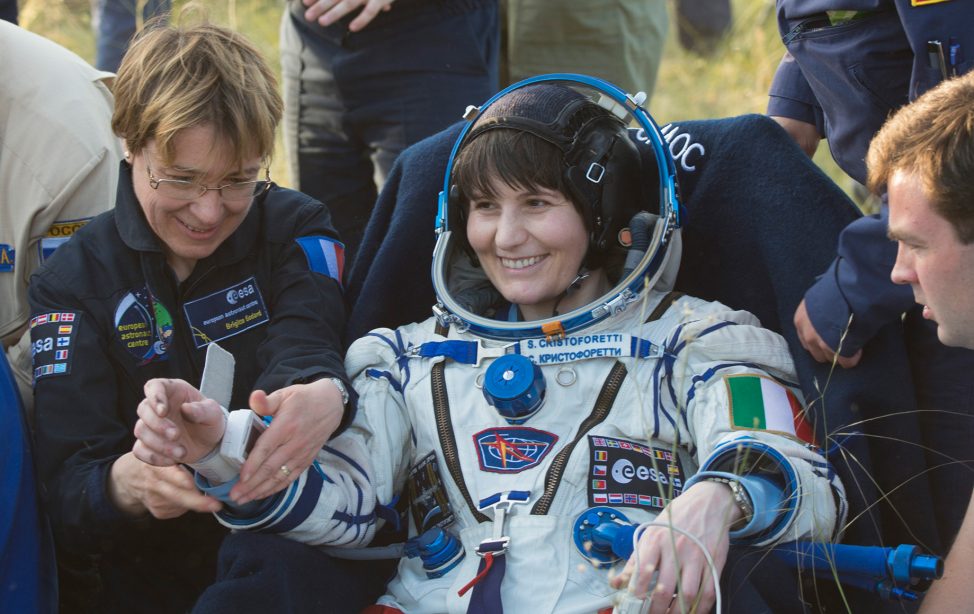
[52,342]
[56,235]
[631,474]
[7,253]
[512,449]
[144,326]
[428,501]
[226,312]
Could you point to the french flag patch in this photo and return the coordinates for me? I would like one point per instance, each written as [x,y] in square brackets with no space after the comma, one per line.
[325,255]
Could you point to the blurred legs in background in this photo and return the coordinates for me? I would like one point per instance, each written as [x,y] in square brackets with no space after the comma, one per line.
[8,10]
[114,22]
[354,100]
[701,24]
[619,41]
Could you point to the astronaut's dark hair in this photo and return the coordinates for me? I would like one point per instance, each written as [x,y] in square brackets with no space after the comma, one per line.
[517,159]
[552,136]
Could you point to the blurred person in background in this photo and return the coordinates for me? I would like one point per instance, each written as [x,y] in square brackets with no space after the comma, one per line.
[58,168]
[621,42]
[701,24]
[115,22]
[8,10]
[364,79]
[849,64]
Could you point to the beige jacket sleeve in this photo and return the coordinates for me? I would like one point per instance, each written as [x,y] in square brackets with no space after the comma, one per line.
[58,164]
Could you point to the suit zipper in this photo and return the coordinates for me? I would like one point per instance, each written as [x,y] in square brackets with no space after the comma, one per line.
[599,412]
[448,442]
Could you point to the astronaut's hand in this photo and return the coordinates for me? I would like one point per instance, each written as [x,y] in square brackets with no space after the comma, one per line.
[684,582]
[815,345]
[327,12]
[165,492]
[176,424]
[305,416]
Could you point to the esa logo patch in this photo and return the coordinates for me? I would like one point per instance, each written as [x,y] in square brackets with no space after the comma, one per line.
[226,312]
[632,474]
[144,326]
[52,342]
[512,449]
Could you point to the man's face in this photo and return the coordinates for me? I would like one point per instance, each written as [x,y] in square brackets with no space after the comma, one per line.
[931,258]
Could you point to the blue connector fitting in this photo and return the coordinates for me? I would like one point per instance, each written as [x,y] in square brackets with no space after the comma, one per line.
[603,535]
[515,387]
[439,550]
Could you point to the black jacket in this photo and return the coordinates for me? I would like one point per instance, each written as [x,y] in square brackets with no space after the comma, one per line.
[109,314]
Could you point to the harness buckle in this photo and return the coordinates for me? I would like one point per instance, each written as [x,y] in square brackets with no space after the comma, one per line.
[496,547]
[500,504]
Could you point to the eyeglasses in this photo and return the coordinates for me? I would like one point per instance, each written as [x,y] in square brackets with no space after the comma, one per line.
[179,189]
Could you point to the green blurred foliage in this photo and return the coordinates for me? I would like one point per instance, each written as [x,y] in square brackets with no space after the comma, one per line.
[733,80]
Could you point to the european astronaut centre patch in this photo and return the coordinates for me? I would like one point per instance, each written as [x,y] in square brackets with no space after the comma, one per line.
[512,449]
[52,346]
[631,474]
[143,326]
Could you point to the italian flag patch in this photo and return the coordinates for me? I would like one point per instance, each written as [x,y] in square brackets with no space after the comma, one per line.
[759,403]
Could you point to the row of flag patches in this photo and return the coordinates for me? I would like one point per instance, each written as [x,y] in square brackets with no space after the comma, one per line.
[607,442]
[630,499]
[47,318]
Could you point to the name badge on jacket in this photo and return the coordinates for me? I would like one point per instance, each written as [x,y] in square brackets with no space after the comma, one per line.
[226,312]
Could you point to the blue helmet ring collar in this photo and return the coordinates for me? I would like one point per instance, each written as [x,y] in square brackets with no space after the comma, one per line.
[642,277]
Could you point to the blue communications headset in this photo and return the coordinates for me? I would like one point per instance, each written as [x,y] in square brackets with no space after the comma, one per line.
[603,171]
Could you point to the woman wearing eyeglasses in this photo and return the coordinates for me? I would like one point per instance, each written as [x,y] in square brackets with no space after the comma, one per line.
[201,247]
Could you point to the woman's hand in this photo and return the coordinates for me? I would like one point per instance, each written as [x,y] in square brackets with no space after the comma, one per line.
[176,424]
[305,416]
[706,511]
[165,492]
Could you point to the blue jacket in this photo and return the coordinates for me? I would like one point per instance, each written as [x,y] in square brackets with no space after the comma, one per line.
[108,315]
[847,79]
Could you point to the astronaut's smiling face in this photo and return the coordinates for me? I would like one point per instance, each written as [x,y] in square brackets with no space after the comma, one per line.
[531,243]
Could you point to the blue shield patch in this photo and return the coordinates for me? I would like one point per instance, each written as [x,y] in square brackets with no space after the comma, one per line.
[512,449]
[7,254]
[57,235]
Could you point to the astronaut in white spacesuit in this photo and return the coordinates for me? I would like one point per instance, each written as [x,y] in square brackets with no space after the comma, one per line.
[560,383]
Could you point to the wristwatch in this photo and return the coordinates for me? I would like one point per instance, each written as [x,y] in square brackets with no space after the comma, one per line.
[341,388]
[741,499]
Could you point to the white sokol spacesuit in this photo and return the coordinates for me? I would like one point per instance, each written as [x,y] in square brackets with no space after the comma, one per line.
[614,405]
